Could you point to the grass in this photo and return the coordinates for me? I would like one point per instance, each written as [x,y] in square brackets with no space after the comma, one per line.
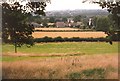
[96,73]
[83,67]
[11,59]
[100,61]
[66,47]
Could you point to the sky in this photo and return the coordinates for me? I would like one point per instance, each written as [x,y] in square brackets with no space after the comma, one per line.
[70,5]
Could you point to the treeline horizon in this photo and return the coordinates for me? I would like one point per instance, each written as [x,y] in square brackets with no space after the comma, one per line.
[74,39]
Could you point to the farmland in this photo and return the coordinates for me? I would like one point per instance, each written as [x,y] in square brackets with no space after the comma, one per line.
[67,28]
[69,34]
[80,49]
[65,48]
[83,34]
[62,60]
[83,60]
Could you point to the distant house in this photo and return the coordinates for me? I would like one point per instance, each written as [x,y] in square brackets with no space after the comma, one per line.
[70,24]
[60,24]
[51,24]
[80,24]
[67,24]
[70,20]
[73,24]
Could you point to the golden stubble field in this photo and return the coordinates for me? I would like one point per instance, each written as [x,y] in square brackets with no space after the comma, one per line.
[67,34]
[67,28]
[101,66]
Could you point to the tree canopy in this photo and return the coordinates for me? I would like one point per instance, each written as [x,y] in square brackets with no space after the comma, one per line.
[77,18]
[100,25]
[113,7]
[15,27]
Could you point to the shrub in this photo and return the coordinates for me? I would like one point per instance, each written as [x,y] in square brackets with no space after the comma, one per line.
[96,73]
[44,39]
[58,39]
[73,39]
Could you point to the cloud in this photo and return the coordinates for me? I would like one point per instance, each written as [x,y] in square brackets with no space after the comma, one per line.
[70,4]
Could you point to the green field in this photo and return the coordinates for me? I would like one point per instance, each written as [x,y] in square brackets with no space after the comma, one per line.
[60,49]
[67,60]
[66,47]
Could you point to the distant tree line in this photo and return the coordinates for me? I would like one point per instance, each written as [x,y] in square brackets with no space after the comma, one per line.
[113,7]
[102,23]
[73,39]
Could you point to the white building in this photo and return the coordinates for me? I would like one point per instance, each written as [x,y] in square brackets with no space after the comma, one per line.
[90,22]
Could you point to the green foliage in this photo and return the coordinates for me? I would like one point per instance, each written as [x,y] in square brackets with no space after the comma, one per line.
[114,9]
[64,19]
[96,73]
[77,18]
[58,39]
[74,39]
[95,21]
[75,75]
[66,48]
[36,19]
[15,25]
[103,24]
[11,59]
[52,20]
[85,22]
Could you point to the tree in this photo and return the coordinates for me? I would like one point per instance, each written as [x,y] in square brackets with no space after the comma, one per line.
[113,7]
[94,21]
[64,19]
[85,22]
[14,22]
[52,20]
[77,18]
[103,24]
[37,19]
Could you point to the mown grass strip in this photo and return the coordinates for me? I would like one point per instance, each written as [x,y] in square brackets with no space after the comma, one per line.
[65,47]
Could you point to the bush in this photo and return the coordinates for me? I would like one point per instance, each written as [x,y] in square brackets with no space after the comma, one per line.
[73,39]
[96,73]
[44,39]
[58,39]
[116,37]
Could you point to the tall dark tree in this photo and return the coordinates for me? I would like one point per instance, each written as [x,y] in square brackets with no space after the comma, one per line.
[64,19]
[113,7]
[15,27]
[52,20]
[103,24]
[77,18]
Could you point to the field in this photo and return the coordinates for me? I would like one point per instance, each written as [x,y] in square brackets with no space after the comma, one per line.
[57,28]
[64,34]
[69,34]
[68,60]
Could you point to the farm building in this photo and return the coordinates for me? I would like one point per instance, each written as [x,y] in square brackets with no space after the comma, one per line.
[51,24]
[60,24]
[70,20]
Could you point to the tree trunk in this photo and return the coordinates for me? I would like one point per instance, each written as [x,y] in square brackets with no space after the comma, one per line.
[15,47]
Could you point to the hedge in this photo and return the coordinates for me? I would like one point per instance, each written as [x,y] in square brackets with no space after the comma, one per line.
[73,39]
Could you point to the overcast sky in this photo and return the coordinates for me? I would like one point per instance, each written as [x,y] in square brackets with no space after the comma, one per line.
[70,4]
